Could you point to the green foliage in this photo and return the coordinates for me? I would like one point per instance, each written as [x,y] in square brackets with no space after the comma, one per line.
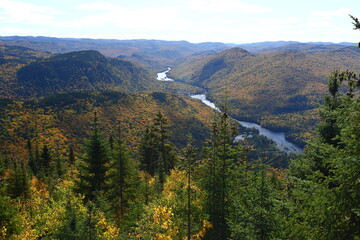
[18,181]
[80,71]
[157,154]
[356,22]
[123,182]
[10,222]
[220,159]
[256,207]
[325,176]
[94,166]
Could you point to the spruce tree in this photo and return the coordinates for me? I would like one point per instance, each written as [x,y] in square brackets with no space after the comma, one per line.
[45,161]
[157,155]
[71,157]
[123,178]
[149,152]
[18,182]
[94,166]
[219,160]
[326,177]
[189,158]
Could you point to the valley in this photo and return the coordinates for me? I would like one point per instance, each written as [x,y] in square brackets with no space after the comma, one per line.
[152,139]
[277,86]
[278,138]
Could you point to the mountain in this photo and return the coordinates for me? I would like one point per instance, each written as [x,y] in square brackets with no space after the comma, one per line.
[80,71]
[12,58]
[261,46]
[278,90]
[305,47]
[289,45]
[156,54]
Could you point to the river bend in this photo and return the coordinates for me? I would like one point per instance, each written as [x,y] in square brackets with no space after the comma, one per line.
[277,137]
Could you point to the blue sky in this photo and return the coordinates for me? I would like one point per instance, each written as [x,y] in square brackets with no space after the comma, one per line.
[230,21]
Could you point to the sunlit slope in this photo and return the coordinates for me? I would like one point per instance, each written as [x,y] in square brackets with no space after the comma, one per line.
[279,90]
[69,117]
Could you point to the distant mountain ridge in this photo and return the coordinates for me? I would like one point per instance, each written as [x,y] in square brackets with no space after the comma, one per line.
[271,45]
[151,53]
[154,54]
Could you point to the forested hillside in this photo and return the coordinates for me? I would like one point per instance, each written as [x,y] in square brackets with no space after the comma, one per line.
[12,58]
[80,71]
[279,90]
[32,74]
[71,116]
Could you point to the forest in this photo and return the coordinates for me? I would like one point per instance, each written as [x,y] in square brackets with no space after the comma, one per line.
[145,164]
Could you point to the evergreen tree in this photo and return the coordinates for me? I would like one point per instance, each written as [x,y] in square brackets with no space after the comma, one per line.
[157,155]
[123,178]
[45,162]
[9,220]
[255,206]
[188,164]
[71,155]
[18,185]
[32,161]
[94,166]
[220,161]
[324,178]
[149,152]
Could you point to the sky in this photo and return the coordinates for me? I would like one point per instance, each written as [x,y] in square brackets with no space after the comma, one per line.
[228,21]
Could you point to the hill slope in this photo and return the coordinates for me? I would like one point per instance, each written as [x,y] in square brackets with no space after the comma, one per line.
[12,58]
[84,70]
[277,90]
[68,117]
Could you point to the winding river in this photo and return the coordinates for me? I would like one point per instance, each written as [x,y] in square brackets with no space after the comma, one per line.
[277,137]
[161,76]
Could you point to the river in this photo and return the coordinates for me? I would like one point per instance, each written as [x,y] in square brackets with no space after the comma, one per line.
[161,76]
[277,137]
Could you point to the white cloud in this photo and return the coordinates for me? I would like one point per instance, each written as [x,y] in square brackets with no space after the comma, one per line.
[341,12]
[20,12]
[97,6]
[150,18]
[216,6]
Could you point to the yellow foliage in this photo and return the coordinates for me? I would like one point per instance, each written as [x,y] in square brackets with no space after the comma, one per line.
[107,231]
[165,218]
